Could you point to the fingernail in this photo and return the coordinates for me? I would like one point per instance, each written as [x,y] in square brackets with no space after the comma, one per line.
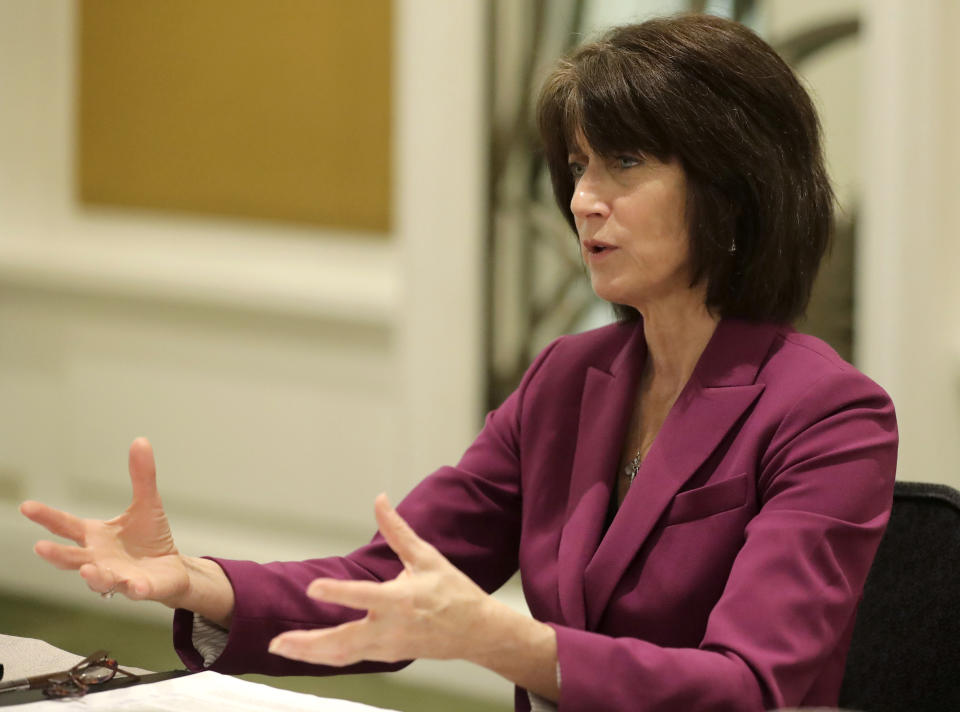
[276,647]
[316,590]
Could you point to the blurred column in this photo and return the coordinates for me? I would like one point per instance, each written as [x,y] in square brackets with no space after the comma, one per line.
[441,159]
[907,329]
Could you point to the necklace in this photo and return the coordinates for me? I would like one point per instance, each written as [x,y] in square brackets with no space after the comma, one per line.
[634,465]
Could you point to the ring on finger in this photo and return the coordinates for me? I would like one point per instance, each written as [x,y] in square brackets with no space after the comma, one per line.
[109,593]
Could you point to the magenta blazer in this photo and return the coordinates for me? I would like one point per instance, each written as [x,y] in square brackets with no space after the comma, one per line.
[729,577]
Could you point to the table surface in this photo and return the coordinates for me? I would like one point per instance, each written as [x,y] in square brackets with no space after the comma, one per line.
[25,657]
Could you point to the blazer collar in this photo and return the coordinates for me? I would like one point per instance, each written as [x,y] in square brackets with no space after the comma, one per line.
[608,391]
[719,391]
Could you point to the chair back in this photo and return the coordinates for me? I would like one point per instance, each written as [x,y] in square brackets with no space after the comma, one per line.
[905,652]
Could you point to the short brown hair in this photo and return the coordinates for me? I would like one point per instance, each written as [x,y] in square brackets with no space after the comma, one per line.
[712,94]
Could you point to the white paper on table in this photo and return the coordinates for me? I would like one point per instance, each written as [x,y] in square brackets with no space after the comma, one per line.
[201,692]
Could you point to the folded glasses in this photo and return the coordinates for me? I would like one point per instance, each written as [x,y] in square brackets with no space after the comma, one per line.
[95,669]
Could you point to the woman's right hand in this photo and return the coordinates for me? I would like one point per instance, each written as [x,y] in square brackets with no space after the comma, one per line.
[132,553]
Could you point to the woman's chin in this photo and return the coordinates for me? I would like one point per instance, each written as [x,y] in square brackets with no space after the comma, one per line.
[609,293]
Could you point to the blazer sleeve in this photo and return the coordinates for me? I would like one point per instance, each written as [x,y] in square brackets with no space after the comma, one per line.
[470,512]
[825,488]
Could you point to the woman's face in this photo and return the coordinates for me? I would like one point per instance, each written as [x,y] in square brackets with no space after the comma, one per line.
[630,213]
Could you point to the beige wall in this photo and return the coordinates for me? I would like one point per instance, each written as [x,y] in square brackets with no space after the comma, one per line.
[909,297]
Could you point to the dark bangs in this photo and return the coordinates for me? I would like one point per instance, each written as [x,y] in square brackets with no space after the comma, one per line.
[595,94]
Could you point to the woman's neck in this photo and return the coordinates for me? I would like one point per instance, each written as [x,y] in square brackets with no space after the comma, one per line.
[676,337]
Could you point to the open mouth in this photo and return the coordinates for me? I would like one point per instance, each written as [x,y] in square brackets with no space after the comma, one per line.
[596,249]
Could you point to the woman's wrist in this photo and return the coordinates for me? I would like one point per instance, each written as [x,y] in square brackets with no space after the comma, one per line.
[208,593]
[517,647]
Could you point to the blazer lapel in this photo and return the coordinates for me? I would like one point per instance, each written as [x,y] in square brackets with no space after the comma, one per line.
[718,393]
[604,416]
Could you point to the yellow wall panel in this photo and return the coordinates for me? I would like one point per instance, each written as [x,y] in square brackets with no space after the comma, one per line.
[267,108]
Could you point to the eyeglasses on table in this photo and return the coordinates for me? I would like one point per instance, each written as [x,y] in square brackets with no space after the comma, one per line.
[96,669]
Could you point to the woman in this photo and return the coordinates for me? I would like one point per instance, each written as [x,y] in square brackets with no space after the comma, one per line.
[693,496]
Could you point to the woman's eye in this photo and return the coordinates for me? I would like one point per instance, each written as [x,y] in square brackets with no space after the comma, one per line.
[627,161]
[576,170]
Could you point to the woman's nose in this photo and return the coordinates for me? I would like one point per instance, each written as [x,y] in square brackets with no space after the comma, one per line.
[587,199]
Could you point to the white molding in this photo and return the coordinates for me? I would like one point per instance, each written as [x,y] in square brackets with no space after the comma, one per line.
[441,140]
[282,271]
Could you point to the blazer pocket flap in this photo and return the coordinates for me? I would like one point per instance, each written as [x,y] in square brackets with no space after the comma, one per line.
[708,500]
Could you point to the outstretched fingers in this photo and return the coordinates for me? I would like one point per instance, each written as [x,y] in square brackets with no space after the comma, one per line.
[143,471]
[362,595]
[101,579]
[115,578]
[54,520]
[413,551]
[340,645]
[420,613]
[63,556]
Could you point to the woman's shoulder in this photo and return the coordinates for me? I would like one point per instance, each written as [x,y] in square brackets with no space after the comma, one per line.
[803,368]
[807,357]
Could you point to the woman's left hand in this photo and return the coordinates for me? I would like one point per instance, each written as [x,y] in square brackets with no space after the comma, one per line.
[431,610]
